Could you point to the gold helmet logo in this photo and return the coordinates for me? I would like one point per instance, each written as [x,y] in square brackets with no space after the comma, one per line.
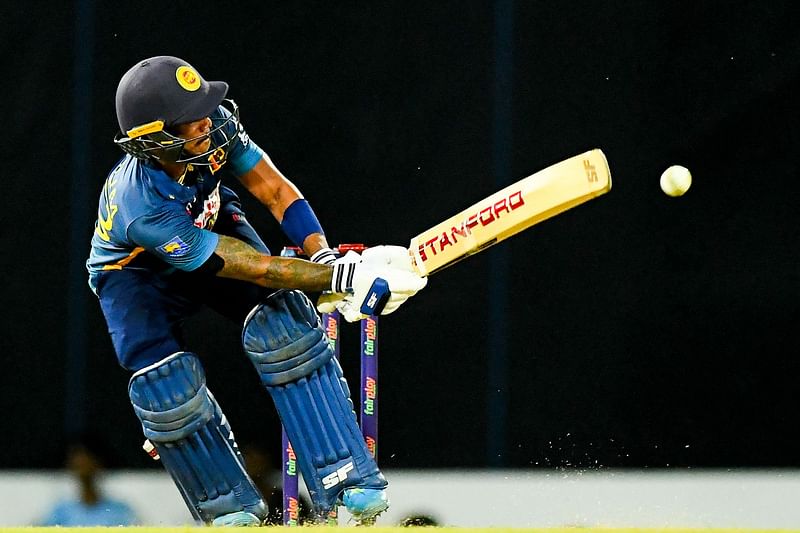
[188,78]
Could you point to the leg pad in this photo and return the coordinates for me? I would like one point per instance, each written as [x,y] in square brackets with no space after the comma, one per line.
[285,341]
[180,416]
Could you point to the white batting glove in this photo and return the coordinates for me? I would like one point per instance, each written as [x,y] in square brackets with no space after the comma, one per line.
[329,300]
[365,287]
[395,257]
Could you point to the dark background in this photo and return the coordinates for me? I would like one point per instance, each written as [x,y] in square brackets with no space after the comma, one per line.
[637,330]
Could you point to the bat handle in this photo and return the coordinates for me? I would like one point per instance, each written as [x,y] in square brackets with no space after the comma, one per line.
[377,297]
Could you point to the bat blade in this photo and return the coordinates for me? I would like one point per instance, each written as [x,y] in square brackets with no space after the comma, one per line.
[511,210]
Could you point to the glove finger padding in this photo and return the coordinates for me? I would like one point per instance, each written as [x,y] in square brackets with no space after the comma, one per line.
[394,256]
[395,301]
[326,303]
[350,257]
[402,281]
[392,306]
[350,312]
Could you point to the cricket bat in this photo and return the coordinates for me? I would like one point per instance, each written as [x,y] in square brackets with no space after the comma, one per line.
[511,210]
[505,213]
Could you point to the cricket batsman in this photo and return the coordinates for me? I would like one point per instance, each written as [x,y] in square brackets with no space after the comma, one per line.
[171,238]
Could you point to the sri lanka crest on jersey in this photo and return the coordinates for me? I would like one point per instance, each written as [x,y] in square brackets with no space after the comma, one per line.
[175,247]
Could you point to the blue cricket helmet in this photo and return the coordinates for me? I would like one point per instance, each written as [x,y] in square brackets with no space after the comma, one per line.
[159,93]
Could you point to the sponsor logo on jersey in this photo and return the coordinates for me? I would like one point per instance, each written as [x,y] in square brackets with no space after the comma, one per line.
[188,78]
[216,160]
[175,247]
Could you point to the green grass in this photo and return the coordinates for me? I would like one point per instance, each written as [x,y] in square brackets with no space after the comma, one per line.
[322,529]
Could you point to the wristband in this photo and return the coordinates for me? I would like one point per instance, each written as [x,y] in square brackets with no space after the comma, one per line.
[299,221]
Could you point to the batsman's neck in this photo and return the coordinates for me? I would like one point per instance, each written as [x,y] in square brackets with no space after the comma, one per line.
[175,171]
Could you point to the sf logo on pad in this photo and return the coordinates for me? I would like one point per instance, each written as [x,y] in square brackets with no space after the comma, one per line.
[334,478]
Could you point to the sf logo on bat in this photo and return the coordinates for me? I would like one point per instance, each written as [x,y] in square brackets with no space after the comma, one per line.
[591,172]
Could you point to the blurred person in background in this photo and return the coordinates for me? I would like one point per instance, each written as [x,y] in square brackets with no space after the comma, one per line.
[85,460]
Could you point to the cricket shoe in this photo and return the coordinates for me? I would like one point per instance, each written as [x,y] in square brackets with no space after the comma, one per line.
[237,519]
[365,504]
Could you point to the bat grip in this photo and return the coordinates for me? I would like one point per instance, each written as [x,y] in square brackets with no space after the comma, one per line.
[377,297]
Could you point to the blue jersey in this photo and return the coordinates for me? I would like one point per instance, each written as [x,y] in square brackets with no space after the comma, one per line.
[105,512]
[144,214]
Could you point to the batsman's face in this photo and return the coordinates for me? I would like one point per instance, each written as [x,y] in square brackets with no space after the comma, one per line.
[197,131]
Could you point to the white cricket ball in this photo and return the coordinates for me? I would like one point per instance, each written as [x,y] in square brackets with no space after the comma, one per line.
[676,180]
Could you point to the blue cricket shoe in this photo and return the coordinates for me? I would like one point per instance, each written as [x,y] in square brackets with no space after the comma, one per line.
[365,504]
[237,519]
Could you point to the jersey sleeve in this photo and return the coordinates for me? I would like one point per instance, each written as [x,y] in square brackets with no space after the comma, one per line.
[246,158]
[244,154]
[171,236]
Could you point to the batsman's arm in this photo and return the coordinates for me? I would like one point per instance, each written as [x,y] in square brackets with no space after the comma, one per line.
[370,289]
[242,261]
[286,203]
